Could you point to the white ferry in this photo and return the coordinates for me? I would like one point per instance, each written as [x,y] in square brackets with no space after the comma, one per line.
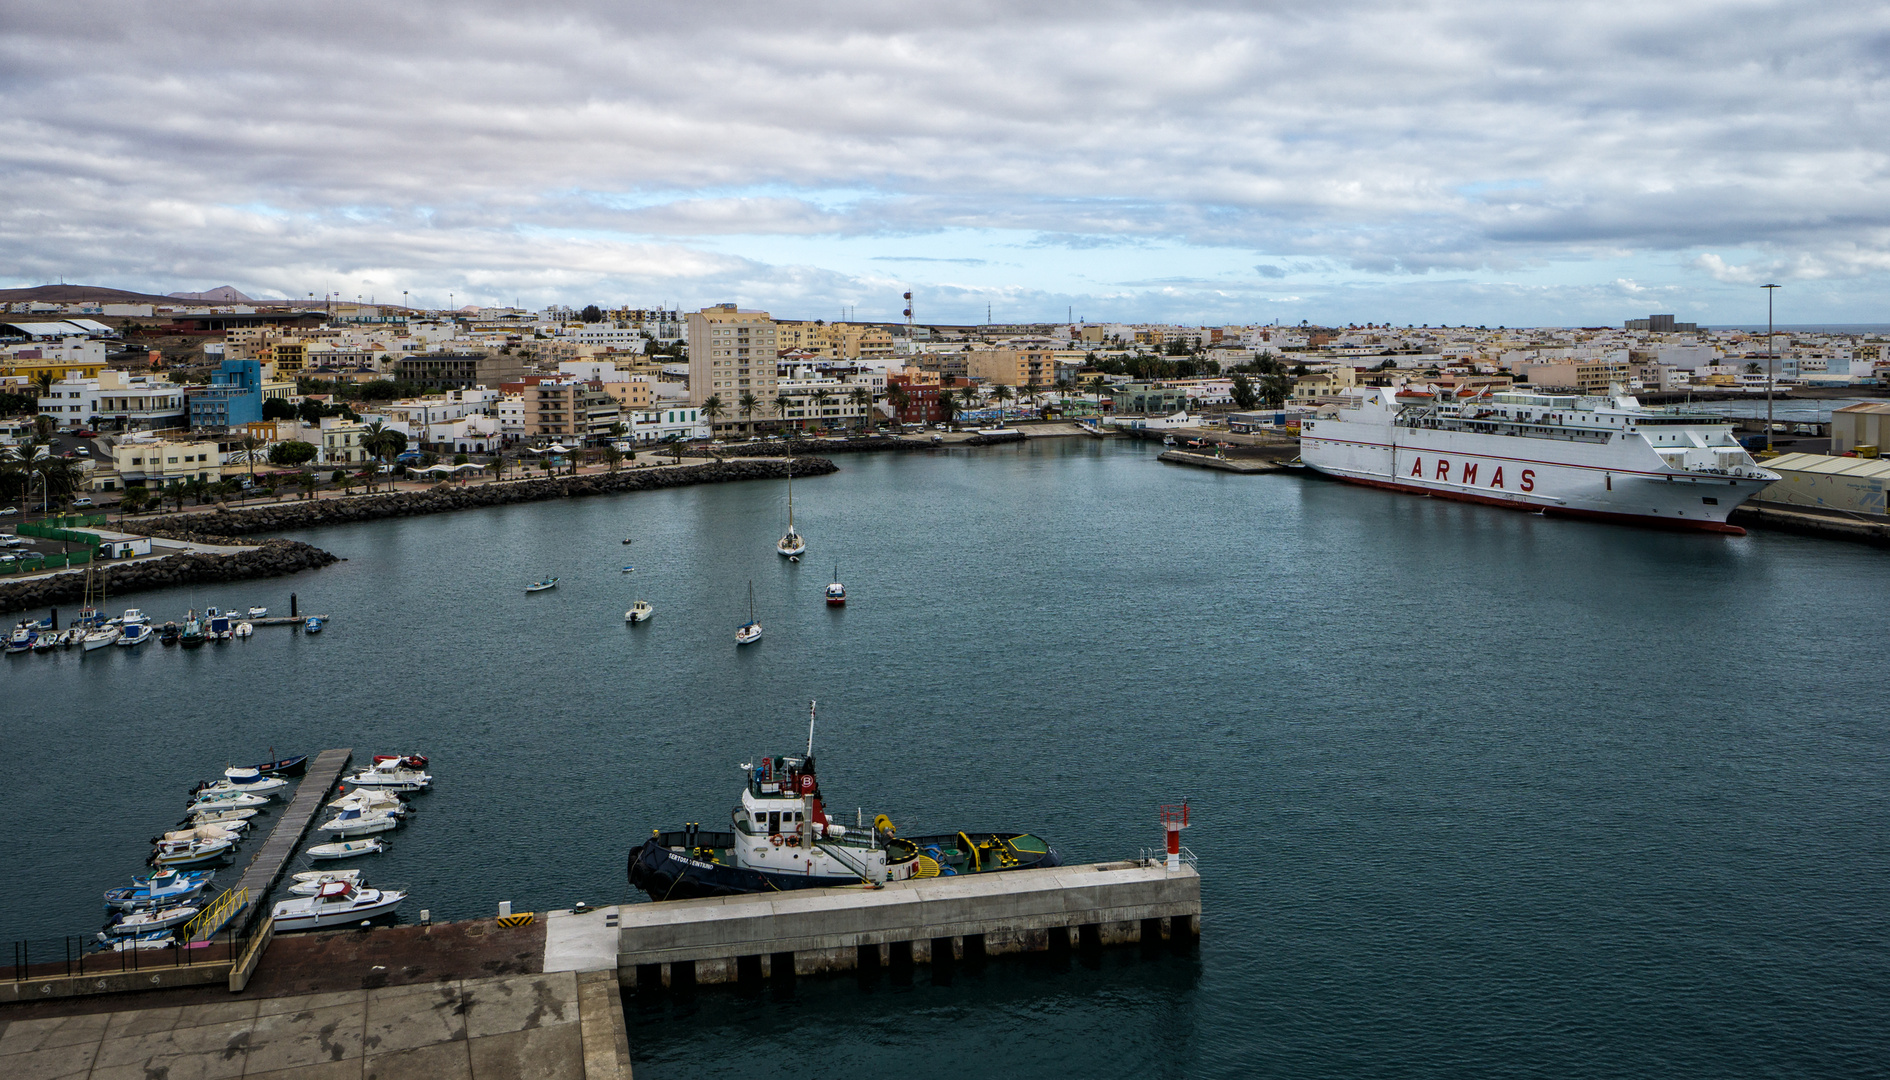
[1606,458]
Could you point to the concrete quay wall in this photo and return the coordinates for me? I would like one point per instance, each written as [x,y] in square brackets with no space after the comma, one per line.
[824,930]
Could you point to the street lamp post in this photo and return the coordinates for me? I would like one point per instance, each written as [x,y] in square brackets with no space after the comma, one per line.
[1771,365]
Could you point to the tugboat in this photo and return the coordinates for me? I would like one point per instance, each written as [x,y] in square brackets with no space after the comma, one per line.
[783,839]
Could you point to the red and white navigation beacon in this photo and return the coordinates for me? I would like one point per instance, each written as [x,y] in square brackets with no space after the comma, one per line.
[1174,819]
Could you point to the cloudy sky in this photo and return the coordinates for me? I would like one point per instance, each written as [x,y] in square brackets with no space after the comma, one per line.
[1476,162]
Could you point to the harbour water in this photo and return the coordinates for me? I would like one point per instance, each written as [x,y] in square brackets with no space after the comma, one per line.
[1477,793]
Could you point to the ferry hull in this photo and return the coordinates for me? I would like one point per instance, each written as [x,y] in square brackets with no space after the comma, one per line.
[1592,482]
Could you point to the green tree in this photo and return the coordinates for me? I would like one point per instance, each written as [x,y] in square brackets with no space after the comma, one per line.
[42,381]
[307,482]
[863,402]
[782,403]
[291,453]
[613,457]
[897,397]
[278,409]
[1245,396]
[822,399]
[591,314]
[134,500]
[713,409]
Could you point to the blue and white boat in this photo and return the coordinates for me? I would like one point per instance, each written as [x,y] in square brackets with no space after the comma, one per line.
[22,638]
[313,625]
[219,626]
[159,889]
[135,634]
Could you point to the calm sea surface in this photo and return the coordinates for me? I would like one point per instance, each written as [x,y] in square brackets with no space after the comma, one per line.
[1478,794]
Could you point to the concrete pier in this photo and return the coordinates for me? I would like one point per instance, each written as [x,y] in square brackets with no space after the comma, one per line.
[907,922]
[266,868]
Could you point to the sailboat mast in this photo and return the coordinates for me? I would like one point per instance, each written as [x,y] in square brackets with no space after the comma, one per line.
[790,495]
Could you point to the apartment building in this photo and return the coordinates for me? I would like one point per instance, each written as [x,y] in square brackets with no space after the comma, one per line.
[156,462]
[459,371]
[72,357]
[731,352]
[568,412]
[1013,367]
[128,402]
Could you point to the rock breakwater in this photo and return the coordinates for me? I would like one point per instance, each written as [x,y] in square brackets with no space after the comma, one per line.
[295,516]
[271,558]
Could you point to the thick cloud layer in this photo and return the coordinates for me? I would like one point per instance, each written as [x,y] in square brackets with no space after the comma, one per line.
[1133,160]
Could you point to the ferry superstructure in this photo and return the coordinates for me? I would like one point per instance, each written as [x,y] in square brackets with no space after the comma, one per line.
[1606,458]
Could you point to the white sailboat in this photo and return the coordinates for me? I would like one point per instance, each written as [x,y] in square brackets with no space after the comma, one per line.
[750,631]
[791,544]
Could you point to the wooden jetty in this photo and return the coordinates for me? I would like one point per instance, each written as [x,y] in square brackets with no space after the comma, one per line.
[283,620]
[266,868]
[1209,461]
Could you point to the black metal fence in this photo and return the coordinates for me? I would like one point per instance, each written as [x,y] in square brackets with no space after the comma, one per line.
[69,957]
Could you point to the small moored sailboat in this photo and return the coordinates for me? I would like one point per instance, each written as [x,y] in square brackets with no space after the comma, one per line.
[836,592]
[791,544]
[750,631]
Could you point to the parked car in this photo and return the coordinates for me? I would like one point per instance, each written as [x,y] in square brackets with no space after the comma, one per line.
[86,433]
[82,501]
[9,511]
[86,450]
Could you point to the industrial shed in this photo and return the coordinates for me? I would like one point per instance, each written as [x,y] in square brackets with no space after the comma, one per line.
[1814,481]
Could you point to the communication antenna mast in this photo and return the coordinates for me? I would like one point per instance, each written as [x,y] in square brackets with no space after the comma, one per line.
[908,311]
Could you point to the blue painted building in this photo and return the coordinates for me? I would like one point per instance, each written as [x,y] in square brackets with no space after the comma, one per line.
[233,398]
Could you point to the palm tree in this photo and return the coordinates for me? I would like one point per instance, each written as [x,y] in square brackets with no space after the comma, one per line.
[782,403]
[133,500]
[250,445]
[1003,394]
[372,443]
[748,403]
[862,400]
[612,456]
[822,399]
[43,381]
[713,408]
[897,397]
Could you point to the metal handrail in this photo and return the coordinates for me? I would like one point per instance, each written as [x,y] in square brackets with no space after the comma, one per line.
[219,912]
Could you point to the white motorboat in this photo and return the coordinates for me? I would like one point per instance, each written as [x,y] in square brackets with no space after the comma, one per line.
[347,849]
[306,876]
[134,617]
[338,903]
[351,823]
[641,611]
[541,586]
[259,613]
[143,922]
[394,773]
[156,939]
[184,853]
[98,639]
[310,888]
[253,784]
[223,830]
[222,817]
[168,889]
[134,634]
[223,800]
[244,630]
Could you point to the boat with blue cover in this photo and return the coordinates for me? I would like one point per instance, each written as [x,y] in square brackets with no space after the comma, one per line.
[158,889]
[782,838]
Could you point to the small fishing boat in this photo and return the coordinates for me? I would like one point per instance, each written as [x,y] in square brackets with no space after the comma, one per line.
[836,592]
[640,611]
[181,854]
[313,625]
[749,632]
[22,638]
[135,634]
[338,903]
[290,766]
[48,641]
[629,569]
[541,586]
[192,634]
[347,849]
[394,773]
[207,830]
[158,889]
[626,541]
[219,627]
[791,544]
[134,617]
[103,636]
[168,634]
[143,922]
[370,799]
[244,630]
[356,822]
[259,613]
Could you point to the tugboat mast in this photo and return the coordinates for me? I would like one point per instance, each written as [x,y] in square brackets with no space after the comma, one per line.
[810,728]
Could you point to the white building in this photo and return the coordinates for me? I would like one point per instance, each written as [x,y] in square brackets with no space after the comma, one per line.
[655,425]
[510,411]
[128,402]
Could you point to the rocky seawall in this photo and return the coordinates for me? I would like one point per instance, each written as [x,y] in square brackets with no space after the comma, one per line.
[798,447]
[271,558]
[295,516]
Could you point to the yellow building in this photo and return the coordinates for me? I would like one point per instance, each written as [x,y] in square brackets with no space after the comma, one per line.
[156,462]
[1012,367]
[71,359]
[631,394]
